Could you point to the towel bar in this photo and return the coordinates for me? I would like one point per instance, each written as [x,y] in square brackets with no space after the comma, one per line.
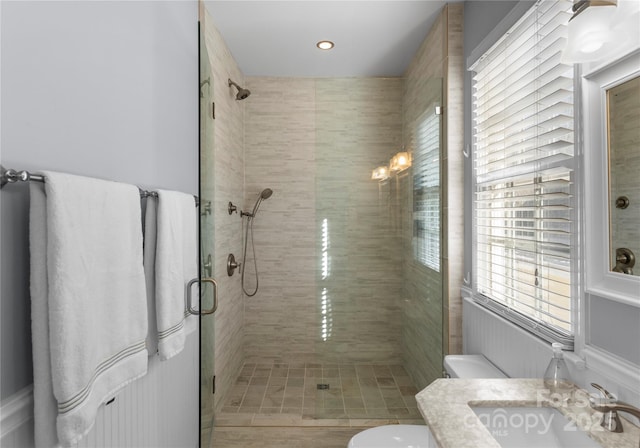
[11,176]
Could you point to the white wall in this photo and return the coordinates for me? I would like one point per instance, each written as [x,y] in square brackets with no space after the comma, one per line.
[103,89]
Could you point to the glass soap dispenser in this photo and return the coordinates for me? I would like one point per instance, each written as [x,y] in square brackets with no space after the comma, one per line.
[556,377]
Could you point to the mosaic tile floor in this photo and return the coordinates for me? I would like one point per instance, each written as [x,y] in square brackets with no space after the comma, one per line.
[315,395]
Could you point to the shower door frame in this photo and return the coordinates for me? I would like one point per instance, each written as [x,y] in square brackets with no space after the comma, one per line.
[206,192]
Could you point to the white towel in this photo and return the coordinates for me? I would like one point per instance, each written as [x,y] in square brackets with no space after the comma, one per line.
[89,318]
[150,241]
[175,265]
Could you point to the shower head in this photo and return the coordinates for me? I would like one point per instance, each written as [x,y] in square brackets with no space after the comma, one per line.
[242,93]
[264,194]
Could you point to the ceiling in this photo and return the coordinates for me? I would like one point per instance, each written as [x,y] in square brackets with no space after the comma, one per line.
[278,38]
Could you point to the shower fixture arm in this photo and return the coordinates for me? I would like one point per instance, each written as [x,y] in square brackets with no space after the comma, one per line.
[242,92]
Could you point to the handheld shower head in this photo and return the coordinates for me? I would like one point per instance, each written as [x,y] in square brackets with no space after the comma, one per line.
[248,230]
[264,194]
[242,93]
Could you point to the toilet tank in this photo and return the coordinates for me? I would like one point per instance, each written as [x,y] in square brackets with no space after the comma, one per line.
[471,366]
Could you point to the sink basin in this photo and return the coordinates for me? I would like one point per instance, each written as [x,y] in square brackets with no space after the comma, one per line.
[533,428]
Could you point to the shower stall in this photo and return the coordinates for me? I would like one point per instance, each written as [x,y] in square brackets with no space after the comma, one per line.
[329,333]
[353,314]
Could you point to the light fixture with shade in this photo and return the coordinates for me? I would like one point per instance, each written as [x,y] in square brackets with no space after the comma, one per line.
[590,31]
[380,173]
[401,161]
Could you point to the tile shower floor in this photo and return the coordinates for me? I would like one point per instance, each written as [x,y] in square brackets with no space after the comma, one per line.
[309,394]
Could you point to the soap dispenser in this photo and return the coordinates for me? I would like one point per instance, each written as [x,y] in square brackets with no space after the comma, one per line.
[556,377]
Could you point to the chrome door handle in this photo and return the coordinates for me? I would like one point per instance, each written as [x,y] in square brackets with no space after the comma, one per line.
[190,307]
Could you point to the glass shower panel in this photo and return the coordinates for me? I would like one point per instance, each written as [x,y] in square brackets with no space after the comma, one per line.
[359,274]
[206,194]
[423,220]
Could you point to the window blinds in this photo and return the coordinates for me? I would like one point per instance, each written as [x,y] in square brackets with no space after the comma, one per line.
[426,191]
[523,137]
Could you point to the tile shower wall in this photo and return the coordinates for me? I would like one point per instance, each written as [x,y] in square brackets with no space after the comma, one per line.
[325,241]
[229,186]
[437,65]
[453,161]
[280,320]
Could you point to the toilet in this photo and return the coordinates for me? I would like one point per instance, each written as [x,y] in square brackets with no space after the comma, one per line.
[418,436]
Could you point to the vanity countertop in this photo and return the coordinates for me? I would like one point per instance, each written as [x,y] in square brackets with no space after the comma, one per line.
[445,406]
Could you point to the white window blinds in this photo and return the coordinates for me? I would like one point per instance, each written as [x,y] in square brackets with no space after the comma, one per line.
[523,137]
[426,190]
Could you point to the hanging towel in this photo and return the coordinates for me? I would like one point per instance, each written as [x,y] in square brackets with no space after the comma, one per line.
[89,318]
[150,241]
[175,265]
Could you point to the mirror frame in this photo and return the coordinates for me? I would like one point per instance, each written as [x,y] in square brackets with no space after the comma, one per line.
[599,279]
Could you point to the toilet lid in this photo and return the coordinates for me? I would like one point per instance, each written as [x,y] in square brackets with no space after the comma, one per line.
[392,436]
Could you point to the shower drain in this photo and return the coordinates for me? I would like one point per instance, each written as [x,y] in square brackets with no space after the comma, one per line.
[323,386]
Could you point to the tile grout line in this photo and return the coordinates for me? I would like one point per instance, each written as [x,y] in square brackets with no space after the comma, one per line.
[284,389]
[247,389]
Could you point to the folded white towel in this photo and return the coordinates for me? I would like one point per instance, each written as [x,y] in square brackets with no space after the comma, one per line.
[176,264]
[88,300]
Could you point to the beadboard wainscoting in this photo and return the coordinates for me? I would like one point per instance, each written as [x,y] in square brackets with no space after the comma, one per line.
[155,411]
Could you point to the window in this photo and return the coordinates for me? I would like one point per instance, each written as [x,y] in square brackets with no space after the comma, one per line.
[426,190]
[523,140]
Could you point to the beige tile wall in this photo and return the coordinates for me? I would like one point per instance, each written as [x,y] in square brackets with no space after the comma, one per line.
[453,159]
[280,321]
[315,142]
[229,186]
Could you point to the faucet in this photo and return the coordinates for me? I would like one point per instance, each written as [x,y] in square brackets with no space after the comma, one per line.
[610,407]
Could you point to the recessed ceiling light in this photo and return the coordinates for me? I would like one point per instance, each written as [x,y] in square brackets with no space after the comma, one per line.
[325,45]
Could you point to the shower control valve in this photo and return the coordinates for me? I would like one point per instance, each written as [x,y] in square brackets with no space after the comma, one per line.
[232,208]
[231,264]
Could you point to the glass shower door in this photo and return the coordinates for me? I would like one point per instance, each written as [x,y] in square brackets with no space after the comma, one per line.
[379,288]
[207,284]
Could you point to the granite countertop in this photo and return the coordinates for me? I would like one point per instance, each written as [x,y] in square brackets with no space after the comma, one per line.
[446,407]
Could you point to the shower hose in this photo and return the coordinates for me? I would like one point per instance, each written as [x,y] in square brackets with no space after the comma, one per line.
[249,229]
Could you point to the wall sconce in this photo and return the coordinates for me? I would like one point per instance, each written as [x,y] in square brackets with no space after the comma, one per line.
[400,161]
[591,34]
[380,173]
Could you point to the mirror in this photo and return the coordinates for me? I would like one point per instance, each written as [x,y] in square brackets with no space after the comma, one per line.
[623,139]
[610,148]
